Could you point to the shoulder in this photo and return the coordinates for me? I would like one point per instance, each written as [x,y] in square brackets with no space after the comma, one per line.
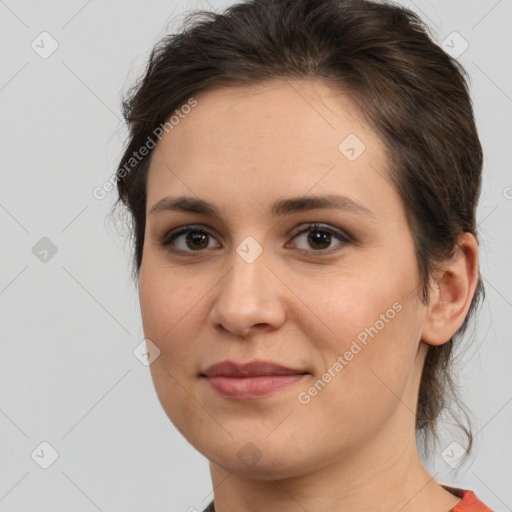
[469,501]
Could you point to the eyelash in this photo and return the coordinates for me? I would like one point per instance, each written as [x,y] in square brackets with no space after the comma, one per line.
[172,235]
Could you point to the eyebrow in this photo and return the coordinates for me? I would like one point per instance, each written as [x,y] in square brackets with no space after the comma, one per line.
[281,207]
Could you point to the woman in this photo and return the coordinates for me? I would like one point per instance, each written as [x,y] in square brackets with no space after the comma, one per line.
[303,178]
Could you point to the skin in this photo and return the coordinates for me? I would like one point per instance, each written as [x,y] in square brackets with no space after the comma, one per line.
[353,446]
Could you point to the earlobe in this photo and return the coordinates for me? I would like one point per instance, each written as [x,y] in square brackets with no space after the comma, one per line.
[454,285]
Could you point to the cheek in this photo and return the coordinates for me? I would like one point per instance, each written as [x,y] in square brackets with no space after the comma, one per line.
[369,350]
[169,304]
[354,307]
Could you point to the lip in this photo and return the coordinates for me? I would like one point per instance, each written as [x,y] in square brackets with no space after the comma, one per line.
[250,380]
[254,368]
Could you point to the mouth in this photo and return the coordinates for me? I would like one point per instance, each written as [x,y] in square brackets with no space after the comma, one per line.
[250,380]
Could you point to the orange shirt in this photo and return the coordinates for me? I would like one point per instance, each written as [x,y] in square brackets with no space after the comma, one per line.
[469,502]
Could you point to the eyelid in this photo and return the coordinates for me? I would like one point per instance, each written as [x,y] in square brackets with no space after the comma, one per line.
[174,233]
[319,226]
[343,237]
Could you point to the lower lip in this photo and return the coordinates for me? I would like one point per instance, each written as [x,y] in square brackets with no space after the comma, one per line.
[251,387]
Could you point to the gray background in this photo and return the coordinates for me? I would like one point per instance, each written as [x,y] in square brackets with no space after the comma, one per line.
[70,324]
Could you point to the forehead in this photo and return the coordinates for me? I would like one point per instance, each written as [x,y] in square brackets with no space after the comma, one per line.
[277,136]
[306,110]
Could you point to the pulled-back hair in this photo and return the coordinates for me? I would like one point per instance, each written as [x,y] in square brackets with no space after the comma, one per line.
[412,93]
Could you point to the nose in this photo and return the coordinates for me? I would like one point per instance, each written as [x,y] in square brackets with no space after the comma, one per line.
[248,298]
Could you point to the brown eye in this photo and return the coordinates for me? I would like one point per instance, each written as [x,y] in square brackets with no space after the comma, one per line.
[319,238]
[195,240]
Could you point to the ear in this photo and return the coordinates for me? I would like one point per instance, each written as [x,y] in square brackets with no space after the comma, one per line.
[454,285]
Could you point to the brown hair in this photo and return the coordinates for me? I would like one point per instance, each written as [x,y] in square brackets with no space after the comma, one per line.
[412,93]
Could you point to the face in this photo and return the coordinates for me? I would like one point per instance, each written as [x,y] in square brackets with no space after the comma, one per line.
[272,273]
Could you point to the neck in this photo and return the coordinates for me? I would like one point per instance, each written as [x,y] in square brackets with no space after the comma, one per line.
[385,474]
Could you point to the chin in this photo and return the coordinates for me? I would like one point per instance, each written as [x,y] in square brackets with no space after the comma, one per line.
[257,459]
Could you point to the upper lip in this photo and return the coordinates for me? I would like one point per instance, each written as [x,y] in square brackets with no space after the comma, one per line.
[250,369]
